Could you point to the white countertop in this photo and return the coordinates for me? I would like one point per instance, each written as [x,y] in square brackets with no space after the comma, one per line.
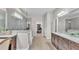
[69,37]
[7,35]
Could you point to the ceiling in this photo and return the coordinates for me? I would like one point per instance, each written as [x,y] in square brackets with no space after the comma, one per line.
[37,11]
[40,11]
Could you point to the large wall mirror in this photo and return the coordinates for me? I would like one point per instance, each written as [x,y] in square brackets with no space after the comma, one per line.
[72,24]
[13,19]
[2,20]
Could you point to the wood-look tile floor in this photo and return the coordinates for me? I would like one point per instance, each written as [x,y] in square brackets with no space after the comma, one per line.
[41,43]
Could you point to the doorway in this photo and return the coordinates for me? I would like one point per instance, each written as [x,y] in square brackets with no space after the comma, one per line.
[39,29]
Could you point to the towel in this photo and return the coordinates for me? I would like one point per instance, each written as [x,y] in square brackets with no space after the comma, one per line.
[22,41]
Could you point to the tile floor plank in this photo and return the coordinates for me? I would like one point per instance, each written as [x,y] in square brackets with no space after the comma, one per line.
[41,43]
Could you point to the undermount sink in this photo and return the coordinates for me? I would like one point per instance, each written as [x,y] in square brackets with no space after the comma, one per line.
[74,34]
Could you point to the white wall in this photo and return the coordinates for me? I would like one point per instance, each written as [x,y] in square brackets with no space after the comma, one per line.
[44,21]
[54,20]
[61,24]
[53,29]
[34,21]
[47,25]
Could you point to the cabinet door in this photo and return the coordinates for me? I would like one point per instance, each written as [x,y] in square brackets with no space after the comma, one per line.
[74,46]
[63,44]
[53,39]
[60,43]
[56,42]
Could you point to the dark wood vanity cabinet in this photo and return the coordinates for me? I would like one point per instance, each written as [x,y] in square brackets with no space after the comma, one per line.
[12,45]
[74,46]
[64,44]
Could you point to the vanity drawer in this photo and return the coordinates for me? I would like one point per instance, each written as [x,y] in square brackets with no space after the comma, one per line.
[63,43]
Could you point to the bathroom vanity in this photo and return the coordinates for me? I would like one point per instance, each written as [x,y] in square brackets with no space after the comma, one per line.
[63,41]
[11,44]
